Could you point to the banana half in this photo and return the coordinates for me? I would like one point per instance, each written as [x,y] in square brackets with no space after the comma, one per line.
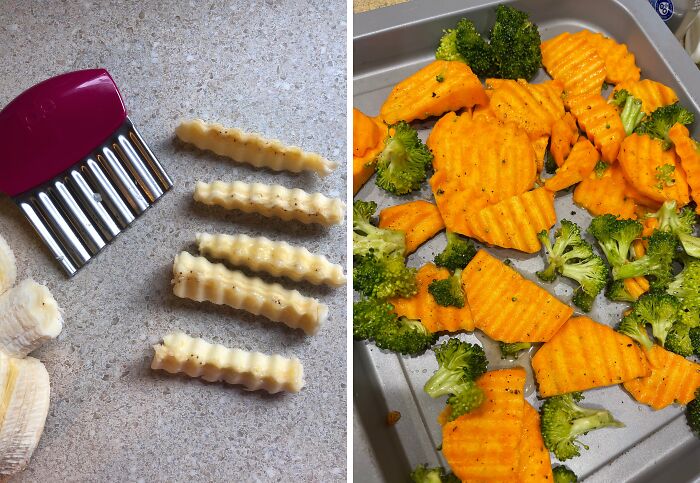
[24,404]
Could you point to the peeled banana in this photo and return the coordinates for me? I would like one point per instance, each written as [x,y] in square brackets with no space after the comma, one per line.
[29,316]
[8,266]
[24,404]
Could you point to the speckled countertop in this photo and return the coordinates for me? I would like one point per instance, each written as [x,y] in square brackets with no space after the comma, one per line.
[276,67]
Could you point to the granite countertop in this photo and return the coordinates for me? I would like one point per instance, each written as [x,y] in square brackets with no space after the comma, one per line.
[275,67]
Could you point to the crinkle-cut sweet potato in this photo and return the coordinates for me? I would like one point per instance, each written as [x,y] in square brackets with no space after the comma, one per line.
[564,136]
[636,286]
[484,114]
[484,444]
[535,464]
[571,59]
[368,137]
[620,65]
[652,94]
[539,145]
[515,221]
[423,307]
[492,162]
[437,88]
[577,166]
[446,136]
[419,220]
[605,194]
[583,355]
[673,379]
[687,150]
[655,173]
[601,122]
[532,107]
[507,307]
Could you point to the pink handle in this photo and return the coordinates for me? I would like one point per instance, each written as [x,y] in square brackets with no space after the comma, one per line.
[55,124]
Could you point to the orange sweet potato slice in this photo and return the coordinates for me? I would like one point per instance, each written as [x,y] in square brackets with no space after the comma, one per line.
[605,194]
[366,134]
[422,306]
[687,151]
[515,221]
[620,65]
[636,286]
[532,107]
[601,122]
[535,465]
[422,95]
[577,166]
[508,307]
[644,163]
[673,379]
[484,113]
[446,136]
[484,445]
[419,220]
[564,136]
[539,146]
[652,94]
[571,59]
[585,354]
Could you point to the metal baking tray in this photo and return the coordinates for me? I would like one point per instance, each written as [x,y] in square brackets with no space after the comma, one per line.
[390,44]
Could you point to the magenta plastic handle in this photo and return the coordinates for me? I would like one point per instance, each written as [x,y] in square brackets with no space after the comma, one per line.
[54,125]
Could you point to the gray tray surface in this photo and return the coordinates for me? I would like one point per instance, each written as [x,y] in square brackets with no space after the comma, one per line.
[391,44]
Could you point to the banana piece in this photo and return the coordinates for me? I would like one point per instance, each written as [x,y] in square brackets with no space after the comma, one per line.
[198,358]
[272,201]
[276,258]
[252,148]
[29,316]
[8,266]
[24,404]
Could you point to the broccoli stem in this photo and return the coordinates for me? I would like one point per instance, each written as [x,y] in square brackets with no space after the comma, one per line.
[599,419]
[631,114]
[443,382]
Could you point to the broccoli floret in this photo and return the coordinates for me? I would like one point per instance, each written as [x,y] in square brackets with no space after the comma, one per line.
[383,277]
[423,474]
[658,123]
[403,163]
[600,168]
[447,50]
[375,319]
[679,341]
[511,350]
[631,113]
[680,223]
[633,328]
[515,43]
[459,364]
[550,165]
[368,239]
[475,51]
[457,254]
[660,310]
[573,257]
[692,413]
[615,237]
[656,263]
[562,474]
[448,292]
[617,291]
[685,288]
[695,340]
[563,421]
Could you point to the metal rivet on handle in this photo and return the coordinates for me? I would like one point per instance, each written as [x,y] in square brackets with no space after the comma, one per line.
[109,194]
[120,177]
[138,169]
[93,204]
[48,238]
[62,229]
[78,218]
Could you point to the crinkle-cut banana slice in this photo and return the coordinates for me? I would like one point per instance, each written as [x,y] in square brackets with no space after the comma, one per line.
[24,404]
[198,279]
[198,358]
[29,316]
[272,201]
[8,266]
[276,258]
[252,148]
